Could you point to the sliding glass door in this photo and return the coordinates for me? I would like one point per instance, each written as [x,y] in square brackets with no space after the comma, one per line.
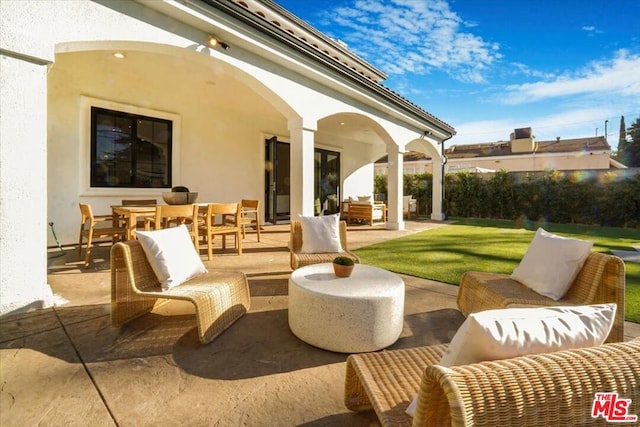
[277,179]
[277,167]
[326,182]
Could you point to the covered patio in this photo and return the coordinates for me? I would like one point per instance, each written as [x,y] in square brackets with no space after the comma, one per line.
[68,366]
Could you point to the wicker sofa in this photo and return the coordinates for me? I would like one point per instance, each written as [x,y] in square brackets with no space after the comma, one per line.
[601,280]
[550,389]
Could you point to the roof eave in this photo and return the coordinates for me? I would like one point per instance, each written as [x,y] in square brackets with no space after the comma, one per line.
[248,18]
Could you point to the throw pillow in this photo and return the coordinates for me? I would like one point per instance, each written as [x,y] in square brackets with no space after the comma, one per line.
[172,255]
[364,198]
[320,234]
[551,263]
[511,332]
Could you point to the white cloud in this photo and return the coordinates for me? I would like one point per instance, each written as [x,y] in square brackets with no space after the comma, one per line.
[408,36]
[617,77]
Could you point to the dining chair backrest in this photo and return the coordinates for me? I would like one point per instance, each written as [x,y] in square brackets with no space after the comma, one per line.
[250,205]
[222,209]
[86,214]
[139,202]
[166,215]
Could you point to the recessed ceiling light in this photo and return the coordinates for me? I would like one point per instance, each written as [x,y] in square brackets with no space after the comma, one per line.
[119,55]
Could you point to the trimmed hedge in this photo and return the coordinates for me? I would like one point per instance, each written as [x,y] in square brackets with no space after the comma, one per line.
[551,196]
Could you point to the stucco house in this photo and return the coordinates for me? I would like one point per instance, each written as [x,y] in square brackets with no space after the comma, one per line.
[106,100]
[522,153]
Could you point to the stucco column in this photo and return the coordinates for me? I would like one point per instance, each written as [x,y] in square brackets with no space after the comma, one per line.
[23,182]
[302,134]
[395,220]
[437,213]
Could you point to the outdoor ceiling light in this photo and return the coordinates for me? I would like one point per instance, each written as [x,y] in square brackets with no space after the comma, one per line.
[214,42]
[119,55]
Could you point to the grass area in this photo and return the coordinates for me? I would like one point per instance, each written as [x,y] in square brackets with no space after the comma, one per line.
[445,253]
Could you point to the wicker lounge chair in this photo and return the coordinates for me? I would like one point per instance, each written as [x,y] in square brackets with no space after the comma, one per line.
[601,280]
[220,297]
[298,259]
[551,389]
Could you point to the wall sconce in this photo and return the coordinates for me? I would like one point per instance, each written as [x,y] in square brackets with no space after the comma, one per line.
[214,42]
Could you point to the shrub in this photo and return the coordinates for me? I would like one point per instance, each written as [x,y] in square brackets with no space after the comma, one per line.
[343,260]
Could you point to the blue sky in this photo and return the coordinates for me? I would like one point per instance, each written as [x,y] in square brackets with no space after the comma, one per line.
[487,67]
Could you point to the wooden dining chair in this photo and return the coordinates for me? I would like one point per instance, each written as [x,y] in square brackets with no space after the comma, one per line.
[89,231]
[212,227]
[249,216]
[174,215]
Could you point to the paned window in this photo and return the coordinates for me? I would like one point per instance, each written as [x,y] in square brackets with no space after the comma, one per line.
[130,150]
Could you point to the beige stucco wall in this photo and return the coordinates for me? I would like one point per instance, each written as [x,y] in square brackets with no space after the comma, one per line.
[540,162]
[23,226]
[522,163]
[58,63]
[217,151]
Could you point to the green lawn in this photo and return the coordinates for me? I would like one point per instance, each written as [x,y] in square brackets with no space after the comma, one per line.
[445,253]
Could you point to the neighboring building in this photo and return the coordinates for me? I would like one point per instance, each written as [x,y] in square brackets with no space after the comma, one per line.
[522,153]
[107,100]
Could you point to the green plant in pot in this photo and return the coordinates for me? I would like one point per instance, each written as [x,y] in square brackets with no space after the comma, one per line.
[343,266]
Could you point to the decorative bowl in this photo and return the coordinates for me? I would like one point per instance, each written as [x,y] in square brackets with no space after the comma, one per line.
[179,198]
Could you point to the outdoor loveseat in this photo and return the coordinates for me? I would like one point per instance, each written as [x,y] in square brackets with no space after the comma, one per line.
[601,280]
[549,389]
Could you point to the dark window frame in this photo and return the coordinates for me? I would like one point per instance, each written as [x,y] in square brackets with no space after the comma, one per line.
[140,157]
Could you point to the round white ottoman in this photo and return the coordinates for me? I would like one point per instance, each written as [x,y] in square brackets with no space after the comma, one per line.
[364,312]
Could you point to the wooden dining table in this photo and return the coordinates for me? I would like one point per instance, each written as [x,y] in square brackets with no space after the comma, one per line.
[131,214]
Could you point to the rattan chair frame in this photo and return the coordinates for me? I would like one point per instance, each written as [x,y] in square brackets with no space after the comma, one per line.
[220,297]
[299,259]
[550,389]
[601,280]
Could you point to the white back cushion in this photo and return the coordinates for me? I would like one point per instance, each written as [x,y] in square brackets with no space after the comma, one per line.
[320,234]
[551,263]
[511,332]
[172,255]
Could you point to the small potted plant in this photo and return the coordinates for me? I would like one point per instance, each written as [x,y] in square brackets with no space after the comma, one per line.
[343,266]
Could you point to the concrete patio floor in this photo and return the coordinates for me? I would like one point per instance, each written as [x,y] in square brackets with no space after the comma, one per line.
[68,366]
